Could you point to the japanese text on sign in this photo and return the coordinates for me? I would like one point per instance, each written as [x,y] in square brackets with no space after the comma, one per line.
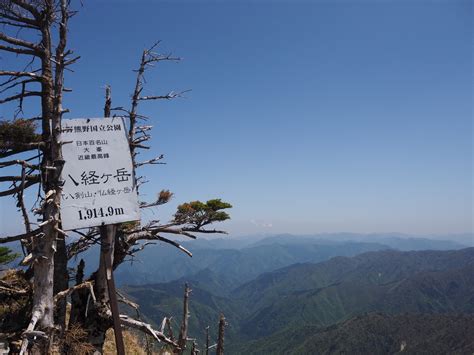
[99,186]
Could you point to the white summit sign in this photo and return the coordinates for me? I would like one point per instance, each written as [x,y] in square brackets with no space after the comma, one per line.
[99,185]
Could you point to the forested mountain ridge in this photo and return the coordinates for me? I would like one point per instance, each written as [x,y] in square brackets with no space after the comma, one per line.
[375,333]
[239,260]
[235,265]
[388,281]
[322,294]
[372,268]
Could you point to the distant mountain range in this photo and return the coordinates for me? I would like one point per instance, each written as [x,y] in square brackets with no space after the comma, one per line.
[241,259]
[388,281]
[298,303]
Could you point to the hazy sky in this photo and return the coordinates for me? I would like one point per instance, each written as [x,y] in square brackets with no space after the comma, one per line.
[308,117]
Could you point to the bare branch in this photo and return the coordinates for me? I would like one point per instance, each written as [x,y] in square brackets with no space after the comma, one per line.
[21,202]
[199,230]
[149,234]
[135,145]
[27,6]
[34,233]
[81,245]
[21,25]
[17,189]
[152,57]
[160,229]
[18,50]
[4,289]
[19,42]
[65,293]
[126,301]
[172,242]
[21,96]
[147,328]
[17,83]
[168,96]
[145,137]
[35,178]
[153,161]
[19,74]
[8,13]
[20,162]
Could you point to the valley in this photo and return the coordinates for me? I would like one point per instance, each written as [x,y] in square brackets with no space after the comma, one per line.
[326,285]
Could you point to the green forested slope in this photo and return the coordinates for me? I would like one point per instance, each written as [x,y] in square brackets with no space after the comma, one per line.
[309,297]
[375,334]
[388,281]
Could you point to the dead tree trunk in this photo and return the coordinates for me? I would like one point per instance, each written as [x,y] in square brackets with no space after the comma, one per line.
[61,282]
[44,247]
[61,277]
[220,340]
[194,349]
[183,333]
[207,340]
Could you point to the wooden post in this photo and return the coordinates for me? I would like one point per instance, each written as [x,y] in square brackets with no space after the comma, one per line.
[107,235]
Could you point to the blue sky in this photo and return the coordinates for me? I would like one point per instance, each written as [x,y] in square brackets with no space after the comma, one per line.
[307,116]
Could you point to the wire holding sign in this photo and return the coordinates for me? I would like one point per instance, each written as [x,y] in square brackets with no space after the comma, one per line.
[99,186]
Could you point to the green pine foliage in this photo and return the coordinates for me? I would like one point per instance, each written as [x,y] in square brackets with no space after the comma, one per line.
[17,131]
[6,256]
[200,214]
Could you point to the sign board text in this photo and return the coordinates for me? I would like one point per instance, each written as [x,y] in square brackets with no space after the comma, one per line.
[99,186]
